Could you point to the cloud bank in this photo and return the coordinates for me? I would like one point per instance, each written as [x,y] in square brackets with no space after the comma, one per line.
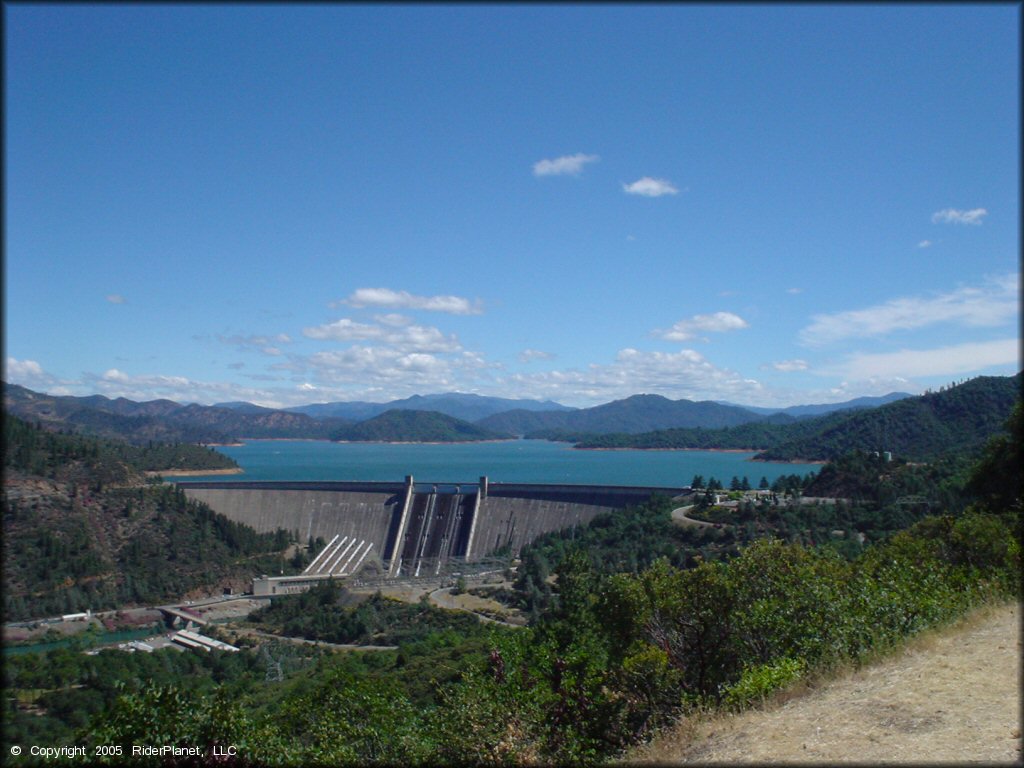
[944,361]
[406,338]
[992,304]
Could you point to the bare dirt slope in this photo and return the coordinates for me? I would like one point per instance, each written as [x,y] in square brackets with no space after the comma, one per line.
[950,696]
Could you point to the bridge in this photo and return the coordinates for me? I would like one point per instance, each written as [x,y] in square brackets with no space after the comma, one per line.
[410,529]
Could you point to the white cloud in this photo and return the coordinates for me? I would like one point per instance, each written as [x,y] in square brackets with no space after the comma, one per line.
[789,366]
[393,319]
[407,338]
[794,291]
[387,298]
[649,187]
[529,355]
[268,345]
[115,375]
[944,361]
[954,216]
[32,375]
[116,298]
[719,322]
[682,374]
[143,387]
[382,367]
[925,244]
[15,370]
[344,330]
[994,303]
[567,165]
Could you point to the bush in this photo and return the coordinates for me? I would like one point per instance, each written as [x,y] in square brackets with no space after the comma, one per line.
[757,682]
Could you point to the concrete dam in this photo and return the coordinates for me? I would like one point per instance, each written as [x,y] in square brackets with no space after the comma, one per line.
[410,529]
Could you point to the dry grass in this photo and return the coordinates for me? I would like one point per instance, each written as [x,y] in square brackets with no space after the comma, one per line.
[948,696]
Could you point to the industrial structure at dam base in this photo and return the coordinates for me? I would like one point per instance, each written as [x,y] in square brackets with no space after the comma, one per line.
[408,529]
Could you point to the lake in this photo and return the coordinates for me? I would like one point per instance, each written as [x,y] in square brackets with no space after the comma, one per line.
[511,461]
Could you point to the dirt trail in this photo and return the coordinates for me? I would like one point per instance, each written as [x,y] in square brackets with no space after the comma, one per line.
[951,696]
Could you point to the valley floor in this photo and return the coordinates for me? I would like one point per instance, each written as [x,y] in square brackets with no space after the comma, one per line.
[952,696]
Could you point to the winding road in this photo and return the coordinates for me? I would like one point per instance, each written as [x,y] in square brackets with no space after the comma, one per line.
[679,516]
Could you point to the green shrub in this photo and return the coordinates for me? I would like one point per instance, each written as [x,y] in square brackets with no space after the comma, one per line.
[758,682]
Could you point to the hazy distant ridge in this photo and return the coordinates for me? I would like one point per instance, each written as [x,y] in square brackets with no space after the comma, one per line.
[914,428]
[805,411]
[160,420]
[398,425]
[919,428]
[660,421]
[467,407]
[639,413]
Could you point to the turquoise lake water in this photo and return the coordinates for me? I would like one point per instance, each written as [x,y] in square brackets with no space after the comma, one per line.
[513,461]
[99,639]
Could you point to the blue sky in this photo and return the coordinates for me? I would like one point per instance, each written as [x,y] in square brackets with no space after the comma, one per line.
[763,204]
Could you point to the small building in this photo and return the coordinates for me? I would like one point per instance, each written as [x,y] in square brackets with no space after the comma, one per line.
[198,642]
[271,586]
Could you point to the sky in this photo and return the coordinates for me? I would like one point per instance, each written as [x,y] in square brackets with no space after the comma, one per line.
[766,205]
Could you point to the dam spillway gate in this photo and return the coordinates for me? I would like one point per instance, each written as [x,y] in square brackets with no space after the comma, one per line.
[410,529]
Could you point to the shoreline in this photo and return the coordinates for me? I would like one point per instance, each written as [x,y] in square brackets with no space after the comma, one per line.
[424,442]
[711,450]
[245,440]
[702,450]
[193,472]
[790,461]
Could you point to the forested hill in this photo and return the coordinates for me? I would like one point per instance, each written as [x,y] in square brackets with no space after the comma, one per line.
[161,420]
[82,529]
[416,426]
[632,415]
[31,448]
[468,407]
[961,418]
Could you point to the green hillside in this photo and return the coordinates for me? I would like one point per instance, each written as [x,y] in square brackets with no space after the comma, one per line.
[635,414]
[83,529]
[160,420]
[36,450]
[961,418]
[415,427]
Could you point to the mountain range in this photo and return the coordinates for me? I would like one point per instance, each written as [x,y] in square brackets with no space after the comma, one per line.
[962,417]
[959,419]
[806,411]
[481,417]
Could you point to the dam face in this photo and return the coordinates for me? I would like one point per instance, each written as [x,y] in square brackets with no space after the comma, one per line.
[413,529]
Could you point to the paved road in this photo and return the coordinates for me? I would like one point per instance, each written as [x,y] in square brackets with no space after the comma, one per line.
[679,516]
